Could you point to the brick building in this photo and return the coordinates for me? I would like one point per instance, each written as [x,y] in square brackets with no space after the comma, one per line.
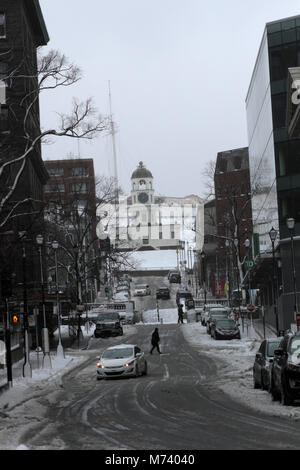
[22,31]
[233,214]
[71,203]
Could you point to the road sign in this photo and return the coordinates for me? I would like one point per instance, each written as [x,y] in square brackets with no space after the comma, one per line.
[298,319]
[251,308]
[249,264]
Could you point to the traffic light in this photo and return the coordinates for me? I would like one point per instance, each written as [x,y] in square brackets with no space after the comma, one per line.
[15,319]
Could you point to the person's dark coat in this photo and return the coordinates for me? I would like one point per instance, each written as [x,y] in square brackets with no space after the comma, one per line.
[155,337]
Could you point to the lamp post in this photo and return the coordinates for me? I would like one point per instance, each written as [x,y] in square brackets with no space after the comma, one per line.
[273,236]
[236,244]
[27,369]
[60,350]
[227,244]
[247,244]
[291,225]
[204,276]
[45,335]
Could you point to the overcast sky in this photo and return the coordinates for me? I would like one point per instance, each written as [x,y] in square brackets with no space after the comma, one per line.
[179,75]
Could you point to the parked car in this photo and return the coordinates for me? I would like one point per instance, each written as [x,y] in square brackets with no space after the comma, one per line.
[122,296]
[142,289]
[263,361]
[163,293]
[124,360]
[122,288]
[108,324]
[225,329]
[182,296]
[205,310]
[174,277]
[215,314]
[216,310]
[285,372]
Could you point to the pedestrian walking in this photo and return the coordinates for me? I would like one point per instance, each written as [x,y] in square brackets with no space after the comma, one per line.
[180,313]
[155,341]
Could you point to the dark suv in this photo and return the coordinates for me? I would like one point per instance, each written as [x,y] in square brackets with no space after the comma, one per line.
[285,372]
[108,324]
[163,293]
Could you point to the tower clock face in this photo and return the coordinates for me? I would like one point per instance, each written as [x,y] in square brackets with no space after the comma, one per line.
[143,198]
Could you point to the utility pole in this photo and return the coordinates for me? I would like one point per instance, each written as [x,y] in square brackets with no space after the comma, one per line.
[113,133]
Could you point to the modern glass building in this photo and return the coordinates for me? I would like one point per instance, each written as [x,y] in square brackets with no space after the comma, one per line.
[274,158]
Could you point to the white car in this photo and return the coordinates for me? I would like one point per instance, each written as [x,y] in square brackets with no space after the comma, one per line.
[142,289]
[121,296]
[124,360]
[205,312]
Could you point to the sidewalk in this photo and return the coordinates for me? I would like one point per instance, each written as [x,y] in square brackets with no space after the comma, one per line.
[36,359]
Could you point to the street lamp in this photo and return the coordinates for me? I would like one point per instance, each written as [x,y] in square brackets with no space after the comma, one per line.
[291,225]
[45,334]
[273,236]
[247,245]
[59,351]
[204,276]
[227,244]
[236,244]
[27,369]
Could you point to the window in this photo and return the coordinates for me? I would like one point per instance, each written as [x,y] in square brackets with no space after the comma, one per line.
[54,188]
[80,171]
[56,171]
[2,26]
[79,188]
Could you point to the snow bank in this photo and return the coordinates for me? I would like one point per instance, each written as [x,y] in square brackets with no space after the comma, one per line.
[236,378]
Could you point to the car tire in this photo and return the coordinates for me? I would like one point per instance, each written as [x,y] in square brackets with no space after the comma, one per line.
[286,397]
[264,385]
[274,394]
[137,371]
[146,368]
[256,384]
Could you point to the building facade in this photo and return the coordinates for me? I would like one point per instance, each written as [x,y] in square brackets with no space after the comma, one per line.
[71,219]
[233,217]
[274,155]
[22,175]
[150,222]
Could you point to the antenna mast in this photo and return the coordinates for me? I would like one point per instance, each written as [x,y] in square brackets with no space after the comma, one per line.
[113,133]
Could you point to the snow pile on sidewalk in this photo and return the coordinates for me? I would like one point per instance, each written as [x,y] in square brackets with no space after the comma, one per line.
[236,378]
[166,315]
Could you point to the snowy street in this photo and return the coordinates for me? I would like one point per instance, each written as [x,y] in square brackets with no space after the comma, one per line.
[198,394]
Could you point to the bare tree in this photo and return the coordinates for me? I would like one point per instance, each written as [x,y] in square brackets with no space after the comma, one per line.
[21,139]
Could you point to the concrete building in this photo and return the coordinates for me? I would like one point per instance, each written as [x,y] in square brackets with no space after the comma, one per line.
[147,221]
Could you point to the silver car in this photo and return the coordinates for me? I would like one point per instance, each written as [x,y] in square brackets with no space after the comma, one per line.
[142,289]
[124,360]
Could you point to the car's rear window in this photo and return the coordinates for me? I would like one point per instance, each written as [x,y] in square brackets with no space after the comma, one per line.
[108,316]
[224,323]
[272,345]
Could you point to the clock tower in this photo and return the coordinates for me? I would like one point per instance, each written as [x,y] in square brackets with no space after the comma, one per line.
[142,191]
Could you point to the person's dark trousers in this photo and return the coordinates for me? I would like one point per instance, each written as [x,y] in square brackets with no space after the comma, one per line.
[155,346]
